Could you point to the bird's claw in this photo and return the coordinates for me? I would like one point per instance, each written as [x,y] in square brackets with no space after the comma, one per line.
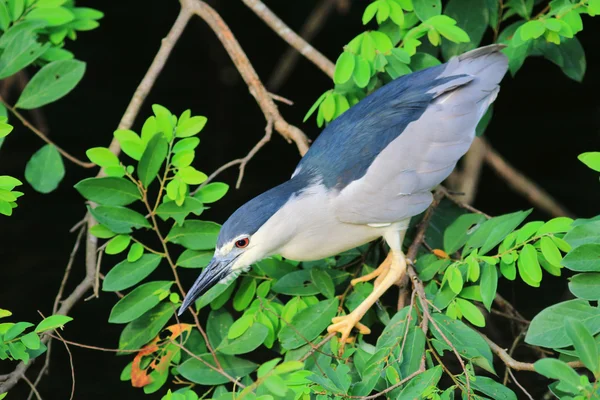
[344,325]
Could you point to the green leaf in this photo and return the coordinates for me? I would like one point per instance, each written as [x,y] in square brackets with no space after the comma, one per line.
[45,169]
[417,385]
[491,388]
[585,233]
[529,266]
[198,372]
[454,278]
[194,259]
[102,156]
[109,191]
[395,329]
[457,234]
[591,159]
[51,83]
[152,159]
[585,258]
[101,232]
[489,284]
[370,12]
[186,144]
[247,342]
[343,68]
[493,231]
[145,328]
[362,72]
[219,323]
[276,385]
[556,369]
[245,293]
[426,9]
[31,341]
[130,142]
[170,209]
[547,329]
[52,322]
[195,235]
[127,274]
[308,324]
[328,107]
[212,192]
[315,105]
[556,225]
[16,330]
[135,252]
[585,286]
[191,176]
[471,312]
[550,251]
[323,282]
[472,17]
[54,16]
[190,127]
[421,61]
[584,344]
[21,51]
[296,283]
[117,244]
[469,343]
[119,219]
[532,30]
[5,129]
[275,268]
[138,301]
[8,182]
[414,347]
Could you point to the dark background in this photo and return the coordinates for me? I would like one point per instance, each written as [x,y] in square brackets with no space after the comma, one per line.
[542,121]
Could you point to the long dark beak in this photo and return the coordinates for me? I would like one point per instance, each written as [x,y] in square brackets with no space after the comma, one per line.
[214,272]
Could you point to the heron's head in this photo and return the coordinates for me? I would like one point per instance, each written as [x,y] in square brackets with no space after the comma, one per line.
[249,235]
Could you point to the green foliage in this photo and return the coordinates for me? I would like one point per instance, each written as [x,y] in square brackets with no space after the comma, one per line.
[19,342]
[397,47]
[34,33]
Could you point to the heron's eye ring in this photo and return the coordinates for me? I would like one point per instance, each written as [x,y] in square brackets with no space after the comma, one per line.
[240,244]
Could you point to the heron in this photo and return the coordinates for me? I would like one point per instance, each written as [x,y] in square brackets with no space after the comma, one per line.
[367,174]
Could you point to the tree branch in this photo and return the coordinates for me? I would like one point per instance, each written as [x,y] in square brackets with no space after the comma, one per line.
[514,364]
[523,185]
[291,37]
[312,26]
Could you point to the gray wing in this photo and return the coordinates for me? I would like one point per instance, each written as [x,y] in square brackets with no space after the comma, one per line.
[398,183]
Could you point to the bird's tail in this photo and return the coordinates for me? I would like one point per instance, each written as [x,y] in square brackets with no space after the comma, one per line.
[483,68]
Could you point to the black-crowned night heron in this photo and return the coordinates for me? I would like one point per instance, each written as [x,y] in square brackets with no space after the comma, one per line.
[366,175]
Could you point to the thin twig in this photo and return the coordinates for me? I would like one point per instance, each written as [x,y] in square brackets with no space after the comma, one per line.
[45,138]
[313,25]
[514,364]
[469,174]
[65,278]
[291,37]
[33,388]
[512,376]
[209,365]
[71,362]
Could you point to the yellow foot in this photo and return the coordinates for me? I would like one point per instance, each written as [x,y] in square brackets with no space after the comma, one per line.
[344,325]
[379,273]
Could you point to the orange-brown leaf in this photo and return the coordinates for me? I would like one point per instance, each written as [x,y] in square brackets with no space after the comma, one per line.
[441,254]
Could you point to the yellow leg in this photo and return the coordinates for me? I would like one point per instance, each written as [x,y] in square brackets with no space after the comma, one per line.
[379,273]
[344,324]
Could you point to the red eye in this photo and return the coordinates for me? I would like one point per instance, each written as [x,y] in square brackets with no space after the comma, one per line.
[240,244]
